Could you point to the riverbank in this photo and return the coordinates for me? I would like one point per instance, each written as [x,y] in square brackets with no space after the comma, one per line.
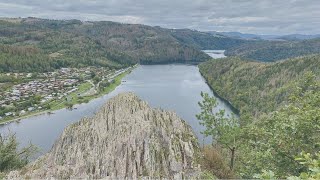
[234,109]
[170,87]
[174,62]
[74,98]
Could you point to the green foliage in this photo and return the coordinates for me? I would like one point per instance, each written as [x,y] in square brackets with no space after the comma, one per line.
[103,85]
[68,105]
[286,122]
[265,175]
[216,123]
[223,130]
[96,79]
[277,137]
[256,88]
[311,166]
[11,156]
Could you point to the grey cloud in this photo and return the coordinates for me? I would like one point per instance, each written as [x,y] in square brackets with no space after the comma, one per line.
[250,16]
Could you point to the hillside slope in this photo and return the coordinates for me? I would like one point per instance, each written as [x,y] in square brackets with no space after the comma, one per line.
[206,41]
[256,87]
[270,51]
[76,43]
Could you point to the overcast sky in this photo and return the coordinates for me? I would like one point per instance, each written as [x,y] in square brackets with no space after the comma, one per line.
[249,16]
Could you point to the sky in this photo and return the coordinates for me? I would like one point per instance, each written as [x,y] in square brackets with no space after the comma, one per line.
[247,16]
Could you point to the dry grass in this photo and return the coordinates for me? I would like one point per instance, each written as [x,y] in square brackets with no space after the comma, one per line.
[215,163]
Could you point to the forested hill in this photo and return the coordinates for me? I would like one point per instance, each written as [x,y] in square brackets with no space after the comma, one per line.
[58,43]
[254,49]
[270,51]
[63,43]
[256,87]
[207,41]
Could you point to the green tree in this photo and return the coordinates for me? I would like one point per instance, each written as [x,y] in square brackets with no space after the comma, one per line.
[223,130]
[310,164]
[272,141]
[96,79]
[11,156]
[69,105]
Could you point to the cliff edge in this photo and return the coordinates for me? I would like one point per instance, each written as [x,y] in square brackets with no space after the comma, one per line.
[125,139]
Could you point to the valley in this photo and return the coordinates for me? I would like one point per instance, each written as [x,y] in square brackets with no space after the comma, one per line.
[102,99]
[170,87]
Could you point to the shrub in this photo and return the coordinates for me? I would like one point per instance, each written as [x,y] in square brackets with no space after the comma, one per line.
[213,162]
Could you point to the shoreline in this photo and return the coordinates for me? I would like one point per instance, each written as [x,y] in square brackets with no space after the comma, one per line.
[117,82]
[109,89]
[236,111]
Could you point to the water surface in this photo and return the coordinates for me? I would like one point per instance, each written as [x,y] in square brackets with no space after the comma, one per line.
[170,87]
[215,53]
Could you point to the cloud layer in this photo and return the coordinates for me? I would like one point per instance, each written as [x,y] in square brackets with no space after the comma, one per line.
[250,16]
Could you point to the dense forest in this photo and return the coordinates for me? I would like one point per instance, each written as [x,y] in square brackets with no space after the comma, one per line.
[254,87]
[277,135]
[26,58]
[56,43]
[61,43]
[270,51]
[207,41]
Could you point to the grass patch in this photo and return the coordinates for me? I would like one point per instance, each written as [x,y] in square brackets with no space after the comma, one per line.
[117,82]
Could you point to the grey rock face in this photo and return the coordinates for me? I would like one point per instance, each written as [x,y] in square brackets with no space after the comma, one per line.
[126,139]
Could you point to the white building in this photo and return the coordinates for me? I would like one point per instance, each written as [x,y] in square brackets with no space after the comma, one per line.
[8,114]
[22,112]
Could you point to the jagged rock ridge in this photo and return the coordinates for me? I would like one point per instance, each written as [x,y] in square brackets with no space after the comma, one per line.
[125,139]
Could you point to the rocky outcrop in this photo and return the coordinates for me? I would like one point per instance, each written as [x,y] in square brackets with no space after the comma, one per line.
[125,139]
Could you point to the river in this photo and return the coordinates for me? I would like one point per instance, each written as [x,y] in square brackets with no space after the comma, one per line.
[172,87]
[215,53]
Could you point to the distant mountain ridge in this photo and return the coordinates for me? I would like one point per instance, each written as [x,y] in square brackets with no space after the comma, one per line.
[33,44]
[63,43]
[299,37]
[266,37]
[270,51]
[206,41]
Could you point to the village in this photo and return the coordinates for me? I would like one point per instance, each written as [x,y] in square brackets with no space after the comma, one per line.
[43,91]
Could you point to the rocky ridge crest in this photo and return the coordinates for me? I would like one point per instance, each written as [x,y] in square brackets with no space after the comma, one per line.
[125,139]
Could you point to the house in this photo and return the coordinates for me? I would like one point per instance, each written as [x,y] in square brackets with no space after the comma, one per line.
[30,108]
[22,112]
[8,114]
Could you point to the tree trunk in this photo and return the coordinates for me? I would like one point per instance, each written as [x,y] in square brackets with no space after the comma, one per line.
[232,157]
